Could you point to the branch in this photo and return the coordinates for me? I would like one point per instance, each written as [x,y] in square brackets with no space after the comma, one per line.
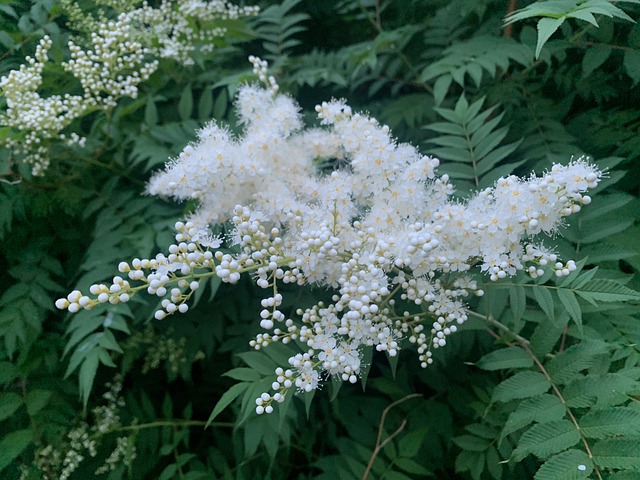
[381,444]
[489,319]
[508,29]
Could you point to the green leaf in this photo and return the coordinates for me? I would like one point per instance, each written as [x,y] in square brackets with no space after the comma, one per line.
[393,363]
[544,439]
[570,465]
[8,371]
[631,65]
[584,278]
[521,385]
[259,362]
[9,403]
[243,374]
[87,373]
[545,300]
[546,27]
[411,442]
[336,385]
[472,462]
[391,475]
[570,303]
[88,345]
[474,57]
[229,396]
[151,112]
[611,421]
[308,399]
[606,390]
[482,430]
[450,141]
[472,144]
[221,104]
[441,87]
[594,57]
[564,366]
[505,358]
[472,443]
[494,463]
[366,358]
[205,104]
[185,106]
[169,472]
[36,400]
[445,127]
[12,445]
[547,333]
[606,290]
[543,408]
[619,453]
[411,466]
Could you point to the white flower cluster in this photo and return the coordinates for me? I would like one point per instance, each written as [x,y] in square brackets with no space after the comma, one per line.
[111,68]
[122,54]
[83,441]
[380,228]
[175,29]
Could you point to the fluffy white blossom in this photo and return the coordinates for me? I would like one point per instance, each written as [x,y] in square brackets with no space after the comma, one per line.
[380,228]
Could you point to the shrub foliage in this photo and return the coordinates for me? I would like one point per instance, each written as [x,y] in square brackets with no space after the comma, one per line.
[542,381]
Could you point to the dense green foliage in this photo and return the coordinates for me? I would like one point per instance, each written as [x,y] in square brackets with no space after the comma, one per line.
[543,382]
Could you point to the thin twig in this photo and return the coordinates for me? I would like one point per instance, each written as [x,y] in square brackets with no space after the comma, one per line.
[489,319]
[508,29]
[381,444]
[563,339]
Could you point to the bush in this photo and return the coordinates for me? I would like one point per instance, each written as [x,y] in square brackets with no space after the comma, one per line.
[373,287]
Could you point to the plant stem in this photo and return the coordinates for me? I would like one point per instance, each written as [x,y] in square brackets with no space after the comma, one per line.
[501,326]
[508,29]
[171,423]
[381,444]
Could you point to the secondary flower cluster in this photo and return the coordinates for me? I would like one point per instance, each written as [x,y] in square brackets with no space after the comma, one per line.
[176,29]
[110,69]
[342,206]
[120,54]
[84,441]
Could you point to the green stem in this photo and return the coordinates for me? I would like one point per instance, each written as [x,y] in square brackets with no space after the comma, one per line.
[492,321]
[171,423]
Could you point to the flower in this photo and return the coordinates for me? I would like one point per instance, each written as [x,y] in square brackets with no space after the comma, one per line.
[382,230]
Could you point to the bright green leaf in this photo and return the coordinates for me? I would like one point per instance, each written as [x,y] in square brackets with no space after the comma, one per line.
[521,385]
[505,358]
[544,439]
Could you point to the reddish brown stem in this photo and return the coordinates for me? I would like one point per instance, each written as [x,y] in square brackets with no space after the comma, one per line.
[381,444]
[508,29]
